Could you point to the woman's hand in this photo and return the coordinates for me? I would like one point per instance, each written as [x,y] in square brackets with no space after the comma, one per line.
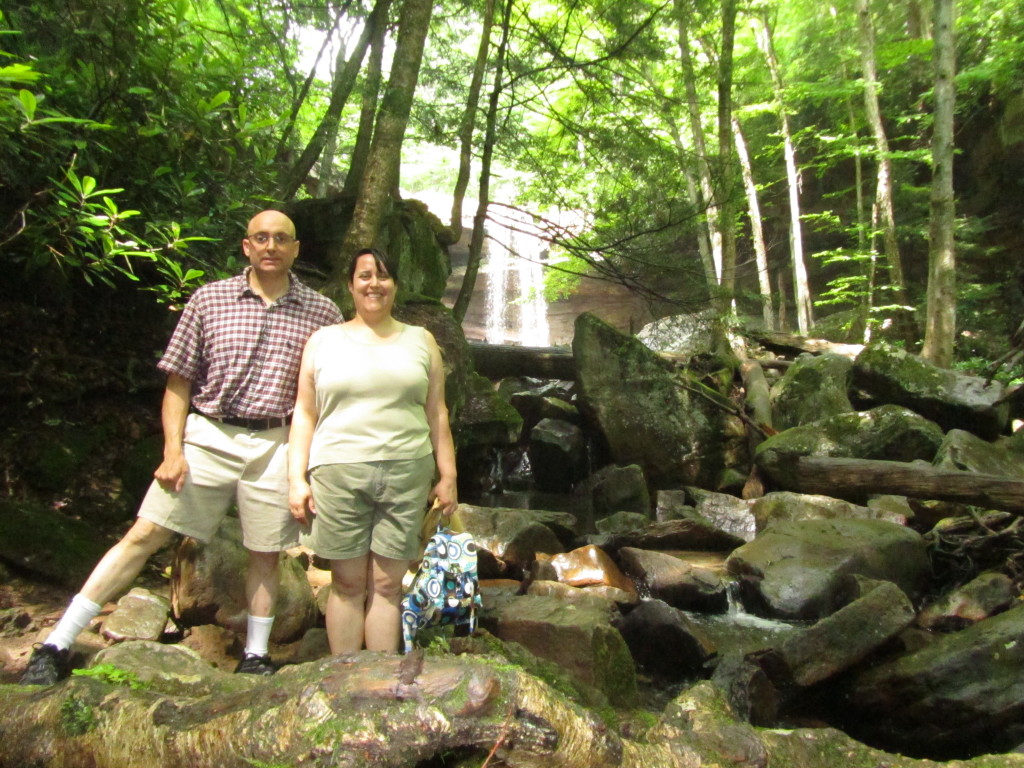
[445,495]
[300,501]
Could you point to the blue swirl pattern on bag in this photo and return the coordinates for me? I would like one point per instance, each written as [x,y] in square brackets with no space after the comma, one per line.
[446,587]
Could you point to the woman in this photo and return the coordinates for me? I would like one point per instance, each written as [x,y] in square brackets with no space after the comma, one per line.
[370,424]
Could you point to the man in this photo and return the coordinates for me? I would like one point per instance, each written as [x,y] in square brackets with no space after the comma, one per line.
[232,366]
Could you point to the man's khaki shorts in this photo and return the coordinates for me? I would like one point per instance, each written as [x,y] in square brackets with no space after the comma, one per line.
[375,506]
[229,464]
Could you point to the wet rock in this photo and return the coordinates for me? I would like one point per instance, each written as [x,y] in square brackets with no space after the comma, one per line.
[208,586]
[987,594]
[534,406]
[813,388]
[843,639]
[802,569]
[675,581]
[664,641]
[647,417]
[923,699]
[578,595]
[888,432]
[951,399]
[590,566]
[673,505]
[558,455]
[685,334]
[139,615]
[725,512]
[691,533]
[576,636]
[615,489]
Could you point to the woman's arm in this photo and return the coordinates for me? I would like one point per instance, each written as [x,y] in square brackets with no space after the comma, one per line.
[304,418]
[440,433]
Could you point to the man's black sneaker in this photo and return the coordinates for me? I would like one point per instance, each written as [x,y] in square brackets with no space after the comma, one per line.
[252,664]
[46,665]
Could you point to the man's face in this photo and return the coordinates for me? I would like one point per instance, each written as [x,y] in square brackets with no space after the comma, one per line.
[270,243]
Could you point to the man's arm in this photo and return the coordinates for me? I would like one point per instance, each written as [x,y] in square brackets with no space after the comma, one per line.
[173,469]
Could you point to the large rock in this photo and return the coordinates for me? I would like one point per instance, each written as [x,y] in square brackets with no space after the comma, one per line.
[516,536]
[888,433]
[578,637]
[726,512]
[558,454]
[684,335]
[692,532]
[672,579]
[485,425]
[951,399]
[962,694]
[786,505]
[813,388]
[965,451]
[208,586]
[648,418]
[839,641]
[664,641]
[616,489]
[985,595]
[803,569]
[139,615]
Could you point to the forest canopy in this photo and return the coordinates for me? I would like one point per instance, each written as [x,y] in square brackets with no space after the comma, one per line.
[782,162]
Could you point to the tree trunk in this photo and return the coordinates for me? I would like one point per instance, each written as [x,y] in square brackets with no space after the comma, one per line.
[883,193]
[756,229]
[724,181]
[801,288]
[856,479]
[709,221]
[469,122]
[367,111]
[344,80]
[393,116]
[940,322]
[476,244]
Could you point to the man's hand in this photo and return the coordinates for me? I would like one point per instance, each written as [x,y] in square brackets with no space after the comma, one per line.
[172,472]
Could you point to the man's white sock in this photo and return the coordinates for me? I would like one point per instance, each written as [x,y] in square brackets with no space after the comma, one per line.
[80,612]
[257,638]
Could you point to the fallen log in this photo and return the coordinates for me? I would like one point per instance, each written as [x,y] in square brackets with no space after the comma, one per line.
[496,361]
[789,344]
[369,710]
[855,479]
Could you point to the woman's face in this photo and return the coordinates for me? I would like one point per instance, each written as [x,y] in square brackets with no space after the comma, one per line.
[372,289]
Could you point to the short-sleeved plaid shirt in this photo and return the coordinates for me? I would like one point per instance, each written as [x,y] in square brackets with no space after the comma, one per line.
[241,355]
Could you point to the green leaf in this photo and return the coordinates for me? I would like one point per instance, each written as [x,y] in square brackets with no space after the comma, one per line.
[28,103]
[88,185]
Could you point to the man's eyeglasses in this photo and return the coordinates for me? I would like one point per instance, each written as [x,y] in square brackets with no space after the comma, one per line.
[262,238]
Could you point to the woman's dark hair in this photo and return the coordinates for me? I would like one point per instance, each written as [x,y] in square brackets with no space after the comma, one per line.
[385,264]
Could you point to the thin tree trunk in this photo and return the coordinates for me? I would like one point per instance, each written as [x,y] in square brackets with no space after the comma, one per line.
[884,189]
[476,243]
[469,122]
[756,230]
[724,181]
[802,294]
[381,174]
[709,222]
[940,322]
[344,80]
[367,111]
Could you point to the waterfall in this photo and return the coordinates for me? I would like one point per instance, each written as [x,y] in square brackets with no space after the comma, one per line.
[516,308]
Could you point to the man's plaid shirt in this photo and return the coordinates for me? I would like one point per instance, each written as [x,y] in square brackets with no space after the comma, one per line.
[242,356]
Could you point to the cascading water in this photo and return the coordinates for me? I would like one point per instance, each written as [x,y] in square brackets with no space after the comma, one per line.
[516,308]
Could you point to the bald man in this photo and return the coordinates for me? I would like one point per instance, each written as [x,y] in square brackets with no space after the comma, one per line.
[232,365]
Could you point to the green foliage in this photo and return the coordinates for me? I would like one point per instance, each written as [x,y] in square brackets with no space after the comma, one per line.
[112,675]
[77,717]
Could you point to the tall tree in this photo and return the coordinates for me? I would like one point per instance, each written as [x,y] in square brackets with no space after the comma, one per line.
[940,318]
[884,187]
[381,176]
[756,228]
[468,124]
[344,80]
[476,243]
[804,316]
[724,180]
[367,113]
